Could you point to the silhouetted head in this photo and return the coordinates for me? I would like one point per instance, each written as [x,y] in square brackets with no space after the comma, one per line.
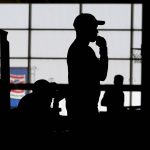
[118,80]
[86,26]
[43,87]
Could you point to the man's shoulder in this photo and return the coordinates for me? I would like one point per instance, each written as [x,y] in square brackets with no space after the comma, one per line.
[75,50]
[75,46]
[26,98]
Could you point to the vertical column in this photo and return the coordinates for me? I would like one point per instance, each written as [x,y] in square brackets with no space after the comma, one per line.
[145,58]
[5,73]
[131,51]
[29,45]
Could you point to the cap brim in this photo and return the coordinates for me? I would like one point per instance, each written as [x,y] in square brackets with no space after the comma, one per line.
[99,22]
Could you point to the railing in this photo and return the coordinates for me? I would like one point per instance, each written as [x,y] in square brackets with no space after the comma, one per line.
[64,89]
[29,86]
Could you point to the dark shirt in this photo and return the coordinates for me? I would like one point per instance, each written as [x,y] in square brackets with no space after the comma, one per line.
[84,67]
[114,100]
[34,103]
[85,71]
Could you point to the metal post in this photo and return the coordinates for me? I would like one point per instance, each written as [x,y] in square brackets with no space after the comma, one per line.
[5,73]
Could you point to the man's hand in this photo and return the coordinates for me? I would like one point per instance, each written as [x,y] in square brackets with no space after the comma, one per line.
[101,42]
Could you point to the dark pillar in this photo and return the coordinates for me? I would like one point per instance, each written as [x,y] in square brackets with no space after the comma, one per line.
[5,73]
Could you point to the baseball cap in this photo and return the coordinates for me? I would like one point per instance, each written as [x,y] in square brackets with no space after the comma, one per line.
[85,19]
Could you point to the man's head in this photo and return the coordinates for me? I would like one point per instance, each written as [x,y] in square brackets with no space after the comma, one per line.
[44,88]
[118,80]
[86,25]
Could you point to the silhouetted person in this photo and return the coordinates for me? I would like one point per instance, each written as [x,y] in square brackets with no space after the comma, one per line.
[85,70]
[40,99]
[114,98]
[38,116]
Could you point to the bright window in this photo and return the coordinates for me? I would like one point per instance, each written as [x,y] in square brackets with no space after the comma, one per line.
[40,41]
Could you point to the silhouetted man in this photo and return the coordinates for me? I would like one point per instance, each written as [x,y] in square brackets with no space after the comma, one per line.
[114,98]
[36,114]
[40,99]
[85,70]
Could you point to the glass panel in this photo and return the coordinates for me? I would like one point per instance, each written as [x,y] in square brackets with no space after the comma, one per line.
[54,15]
[136,98]
[51,43]
[62,105]
[18,63]
[138,16]
[117,67]
[51,70]
[115,15]
[18,75]
[14,15]
[15,97]
[18,43]
[136,72]
[103,108]
[118,44]
[126,98]
[137,39]
[100,107]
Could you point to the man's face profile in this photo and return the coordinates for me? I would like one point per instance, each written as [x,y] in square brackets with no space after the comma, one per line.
[92,33]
